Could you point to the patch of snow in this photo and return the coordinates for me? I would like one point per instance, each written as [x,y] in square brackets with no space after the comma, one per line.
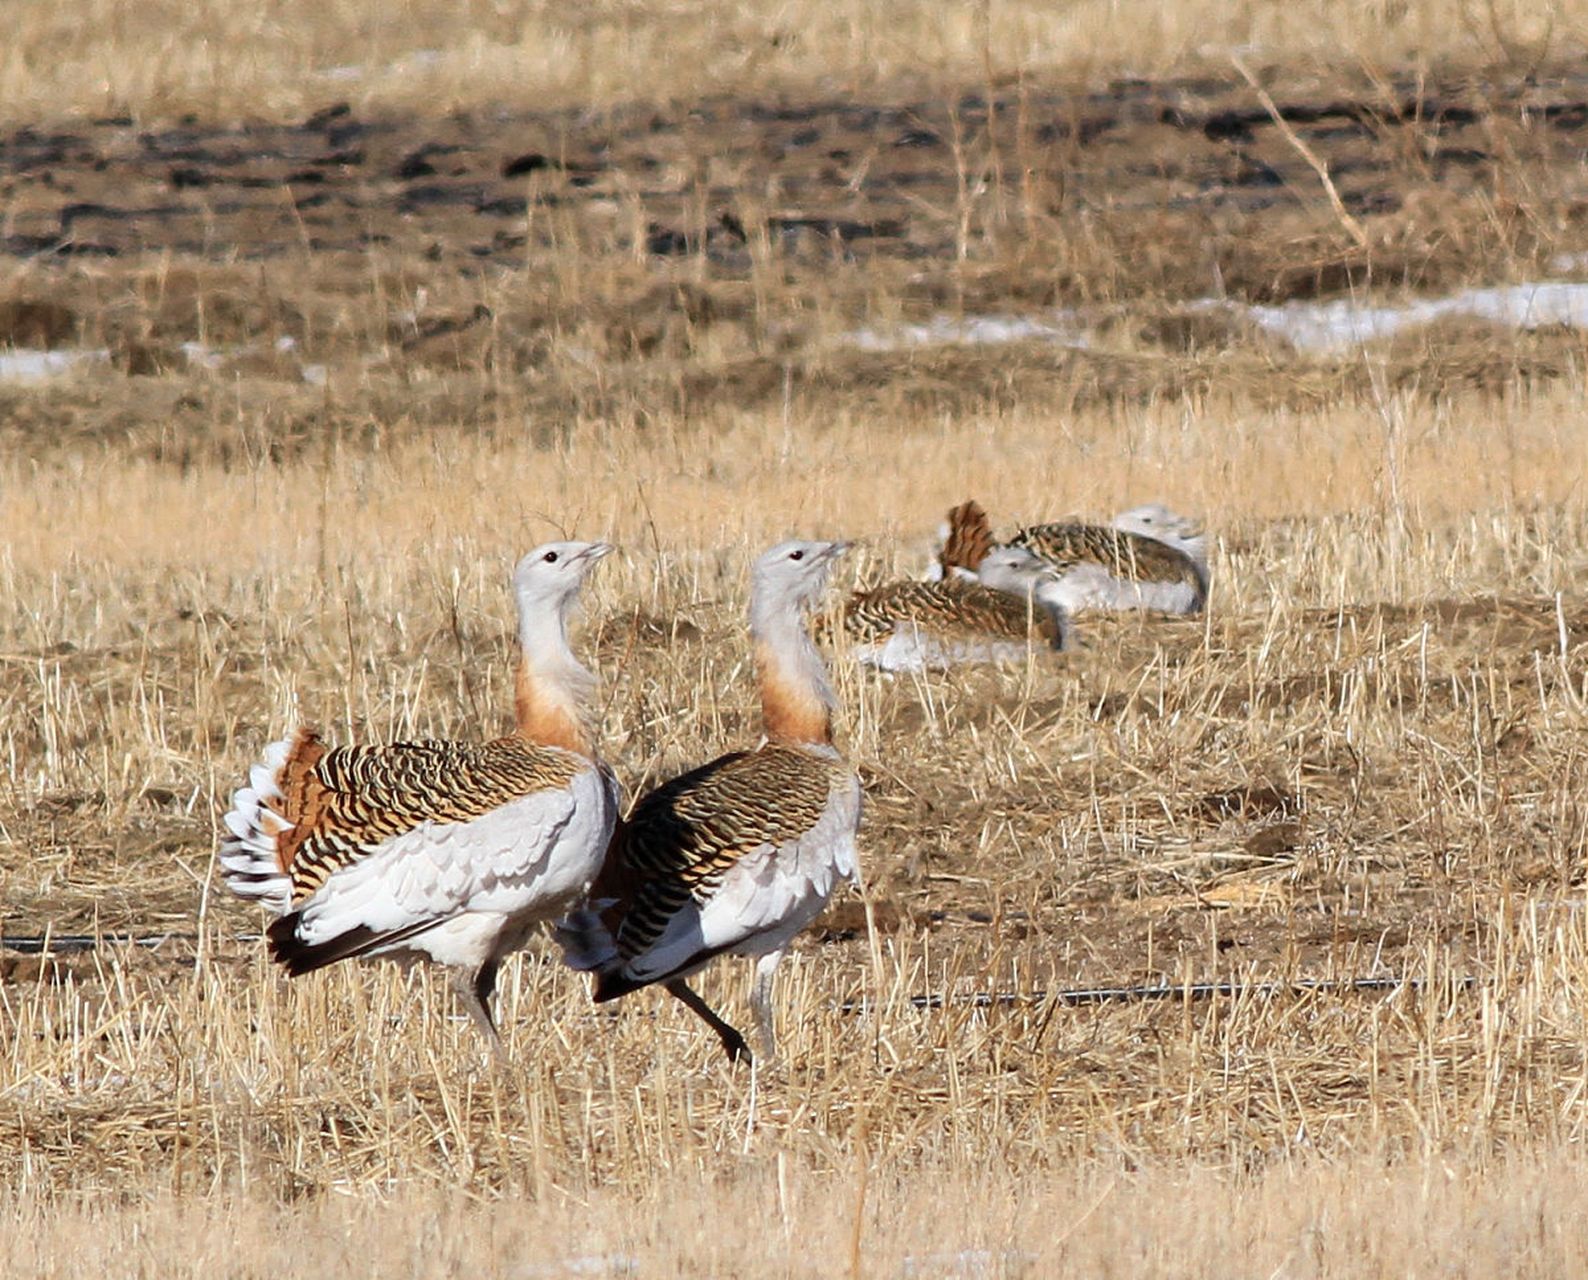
[418,60]
[967,1264]
[26,364]
[592,1264]
[1316,328]
[1062,328]
[202,357]
[1344,323]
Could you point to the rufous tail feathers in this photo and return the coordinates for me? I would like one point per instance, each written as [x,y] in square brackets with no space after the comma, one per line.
[970,538]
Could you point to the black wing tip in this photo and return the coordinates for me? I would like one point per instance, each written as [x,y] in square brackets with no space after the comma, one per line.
[611,985]
[614,982]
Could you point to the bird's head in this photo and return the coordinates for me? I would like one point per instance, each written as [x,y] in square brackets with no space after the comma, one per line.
[550,576]
[791,576]
[1015,569]
[1154,520]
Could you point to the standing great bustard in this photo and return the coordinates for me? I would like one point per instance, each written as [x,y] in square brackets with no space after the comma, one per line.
[1149,558]
[914,626]
[447,851]
[739,855]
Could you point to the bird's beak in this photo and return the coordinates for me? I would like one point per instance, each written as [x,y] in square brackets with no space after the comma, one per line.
[836,549]
[597,551]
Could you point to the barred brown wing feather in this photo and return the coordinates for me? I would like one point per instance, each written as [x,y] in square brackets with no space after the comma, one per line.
[353,799]
[948,605]
[684,837]
[1130,556]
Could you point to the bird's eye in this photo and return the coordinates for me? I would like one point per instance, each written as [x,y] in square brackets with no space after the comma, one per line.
[550,557]
[796,555]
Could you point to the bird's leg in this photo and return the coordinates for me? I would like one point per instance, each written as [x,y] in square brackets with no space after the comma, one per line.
[476,998]
[732,1042]
[761,1002]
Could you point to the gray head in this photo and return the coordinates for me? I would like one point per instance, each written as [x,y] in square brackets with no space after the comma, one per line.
[548,579]
[790,578]
[1019,572]
[1154,520]
[1015,570]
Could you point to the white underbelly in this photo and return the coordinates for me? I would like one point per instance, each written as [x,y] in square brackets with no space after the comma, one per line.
[910,649]
[465,942]
[1092,587]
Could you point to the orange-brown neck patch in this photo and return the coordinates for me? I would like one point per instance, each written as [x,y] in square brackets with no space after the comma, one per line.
[545,715]
[791,711]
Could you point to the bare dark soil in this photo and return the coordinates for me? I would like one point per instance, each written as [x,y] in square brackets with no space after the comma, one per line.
[471,270]
[1194,177]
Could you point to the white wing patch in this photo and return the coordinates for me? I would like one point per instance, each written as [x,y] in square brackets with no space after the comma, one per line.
[526,860]
[769,895]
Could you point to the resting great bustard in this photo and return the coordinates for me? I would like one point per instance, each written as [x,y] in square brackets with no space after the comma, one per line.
[447,851]
[915,626]
[1150,558]
[739,855]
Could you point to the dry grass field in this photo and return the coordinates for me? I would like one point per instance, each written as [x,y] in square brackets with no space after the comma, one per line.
[369,299]
[220,57]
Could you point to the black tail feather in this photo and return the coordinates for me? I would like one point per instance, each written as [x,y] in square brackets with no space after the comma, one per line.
[298,957]
[612,983]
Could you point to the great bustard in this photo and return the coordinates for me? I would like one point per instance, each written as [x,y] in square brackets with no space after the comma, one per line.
[1149,558]
[914,626]
[447,851]
[739,855]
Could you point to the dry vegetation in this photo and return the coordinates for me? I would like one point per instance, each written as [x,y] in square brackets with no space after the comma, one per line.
[221,58]
[1366,761]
